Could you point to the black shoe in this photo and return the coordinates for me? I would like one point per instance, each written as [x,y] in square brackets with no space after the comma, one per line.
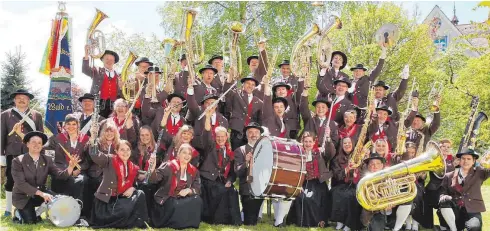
[280,225]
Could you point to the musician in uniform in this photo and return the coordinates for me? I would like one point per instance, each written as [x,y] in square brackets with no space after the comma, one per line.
[219,81]
[128,127]
[118,204]
[178,204]
[312,207]
[143,65]
[243,156]
[461,198]
[293,96]
[185,135]
[350,128]
[168,120]
[346,211]
[65,146]
[383,128]
[105,80]
[220,199]
[361,82]
[318,124]
[106,144]
[258,65]
[12,145]
[85,116]
[418,127]
[375,220]
[327,76]
[392,99]
[30,173]
[339,100]
[273,114]
[286,77]
[148,106]
[381,147]
[181,78]
[245,108]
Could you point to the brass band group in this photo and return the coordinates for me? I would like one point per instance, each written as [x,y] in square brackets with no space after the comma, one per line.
[170,148]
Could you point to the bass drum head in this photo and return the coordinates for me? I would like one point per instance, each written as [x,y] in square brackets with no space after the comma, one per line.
[262,167]
[64,211]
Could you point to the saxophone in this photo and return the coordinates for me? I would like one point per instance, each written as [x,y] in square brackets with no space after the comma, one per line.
[358,153]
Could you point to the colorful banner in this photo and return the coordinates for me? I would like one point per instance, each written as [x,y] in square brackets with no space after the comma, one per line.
[57,63]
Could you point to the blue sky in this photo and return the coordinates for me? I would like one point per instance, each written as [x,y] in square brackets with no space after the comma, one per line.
[28,23]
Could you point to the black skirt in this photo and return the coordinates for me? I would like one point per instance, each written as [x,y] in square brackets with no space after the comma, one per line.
[121,212]
[178,213]
[420,210]
[220,204]
[311,206]
[345,207]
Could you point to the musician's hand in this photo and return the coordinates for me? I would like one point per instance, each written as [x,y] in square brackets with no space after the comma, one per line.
[87,49]
[261,45]
[129,192]
[415,103]
[141,177]
[406,72]
[209,113]
[249,157]
[140,76]
[228,184]
[74,161]
[129,123]
[456,161]
[46,196]
[184,192]
[383,52]
[444,198]
[18,129]
[75,172]
[327,130]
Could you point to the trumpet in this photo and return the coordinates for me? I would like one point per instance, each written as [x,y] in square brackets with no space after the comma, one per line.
[435,96]
[95,38]
[128,88]
[231,33]
[151,89]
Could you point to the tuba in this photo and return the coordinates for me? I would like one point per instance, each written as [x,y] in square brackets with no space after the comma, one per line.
[170,65]
[396,185]
[129,85]
[324,49]
[231,34]
[95,38]
[193,45]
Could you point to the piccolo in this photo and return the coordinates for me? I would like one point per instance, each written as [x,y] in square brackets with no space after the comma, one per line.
[24,118]
[69,156]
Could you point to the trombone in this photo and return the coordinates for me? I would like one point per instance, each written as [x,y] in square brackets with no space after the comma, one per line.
[435,96]
[230,34]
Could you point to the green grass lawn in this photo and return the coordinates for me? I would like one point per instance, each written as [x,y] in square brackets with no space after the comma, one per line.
[266,223]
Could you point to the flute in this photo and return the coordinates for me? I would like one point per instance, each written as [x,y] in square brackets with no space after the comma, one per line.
[24,118]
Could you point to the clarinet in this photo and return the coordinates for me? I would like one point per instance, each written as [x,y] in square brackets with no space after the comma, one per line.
[153,154]
[94,149]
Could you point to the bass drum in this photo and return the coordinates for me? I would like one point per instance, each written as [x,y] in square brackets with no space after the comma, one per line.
[278,169]
[64,211]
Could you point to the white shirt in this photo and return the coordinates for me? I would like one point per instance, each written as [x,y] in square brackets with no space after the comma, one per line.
[339,98]
[213,119]
[250,97]
[175,118]
[309,157]
[353,87]
[110,73]
[282,125]
[377,102]
[321,120]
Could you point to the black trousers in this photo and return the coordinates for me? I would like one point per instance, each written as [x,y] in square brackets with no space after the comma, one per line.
[237,139]
[28,213]
[251,209]
[377,223]
[9,185]
[73,186]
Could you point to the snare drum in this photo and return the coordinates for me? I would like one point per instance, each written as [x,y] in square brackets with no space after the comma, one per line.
[278,169]
[64,211]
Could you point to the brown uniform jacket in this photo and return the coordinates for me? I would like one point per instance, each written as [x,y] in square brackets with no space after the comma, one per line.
[260,72]
[471,194]
[28,179]
[209,168]
[434,181]
[60,156]
[241,168]
[97,75]
[392,99]
[323,158]
[390,129]
[271,121]
[109,176]
[428,131]
[163,177]
[312,124]
[345,105]
[324,84]
[149,109]
[180,82]
[292,116]
[94,169]
[238,101]
[361,90]
[13,145]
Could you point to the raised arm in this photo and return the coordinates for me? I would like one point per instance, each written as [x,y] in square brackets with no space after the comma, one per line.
[263,64]
[436,122]
[377,70]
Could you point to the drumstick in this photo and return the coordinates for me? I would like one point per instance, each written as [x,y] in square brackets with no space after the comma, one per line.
[250,177]
[69,156]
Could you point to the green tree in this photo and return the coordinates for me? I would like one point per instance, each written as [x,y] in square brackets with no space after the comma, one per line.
[13,76]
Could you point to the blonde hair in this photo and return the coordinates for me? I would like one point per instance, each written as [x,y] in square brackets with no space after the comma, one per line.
[185,146]
[103,140]
[220,129]
[185,128]
[142,147]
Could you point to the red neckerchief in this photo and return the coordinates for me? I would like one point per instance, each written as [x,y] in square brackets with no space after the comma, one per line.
[173,129]
[458,188]
[119,124]
[64,138]
[147,162]
[230,156]
[334,109]
[348,131]
[283,134]
[123,182]
[175,167]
